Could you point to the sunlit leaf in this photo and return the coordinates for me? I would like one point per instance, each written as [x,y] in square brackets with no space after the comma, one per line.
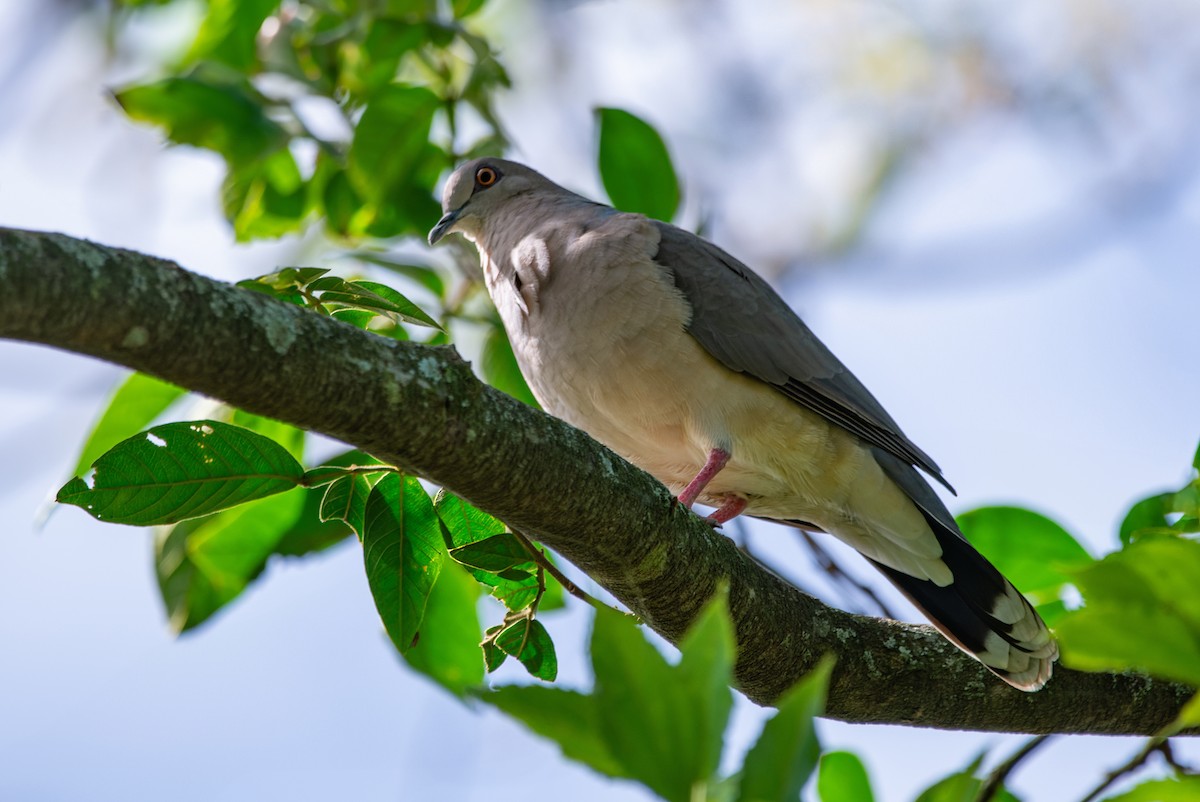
[635,166]
[1147,515]
[448,649]
[465,8]
[528,641]
[464,524]
[783,758]
[266,198]
[1141,611]
[962,786]
[1034,552]
[371,297]
[204,563]
[568,718]
[661,730]
[182,470]
[391,154]
[402,549]
[310,533]
[229,30]
[843,778]
[493,554]
[219,112]
[1183,788]
[398,305]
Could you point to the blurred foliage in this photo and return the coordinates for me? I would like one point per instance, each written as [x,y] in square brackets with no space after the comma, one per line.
[342,115]
[262,77]
[663,725]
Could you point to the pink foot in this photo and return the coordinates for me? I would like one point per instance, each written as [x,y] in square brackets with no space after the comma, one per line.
[732,508]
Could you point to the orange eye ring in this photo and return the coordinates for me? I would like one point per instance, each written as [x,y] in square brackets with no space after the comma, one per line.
[486,176]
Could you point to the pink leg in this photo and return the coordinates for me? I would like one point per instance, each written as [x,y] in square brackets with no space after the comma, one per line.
[717,459]
[731,509]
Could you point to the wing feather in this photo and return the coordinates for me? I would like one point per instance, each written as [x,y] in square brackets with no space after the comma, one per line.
[740,319]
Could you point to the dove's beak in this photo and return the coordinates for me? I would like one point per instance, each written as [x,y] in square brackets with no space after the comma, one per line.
[443,226]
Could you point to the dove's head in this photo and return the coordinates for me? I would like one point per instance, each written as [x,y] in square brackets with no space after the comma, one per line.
[477,189]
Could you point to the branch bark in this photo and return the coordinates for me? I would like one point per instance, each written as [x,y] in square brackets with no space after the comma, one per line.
[421,408]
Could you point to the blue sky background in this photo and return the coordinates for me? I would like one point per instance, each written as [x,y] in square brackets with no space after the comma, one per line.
[1024,305]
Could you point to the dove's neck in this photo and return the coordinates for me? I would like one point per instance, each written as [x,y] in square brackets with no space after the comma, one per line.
[556,218]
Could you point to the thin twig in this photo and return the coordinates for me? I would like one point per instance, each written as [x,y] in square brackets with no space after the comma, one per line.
[1169,756]
[830,566]
[544,563]
[995,780]
[1153,744]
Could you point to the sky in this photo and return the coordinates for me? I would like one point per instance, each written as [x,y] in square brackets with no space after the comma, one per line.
[1033,340]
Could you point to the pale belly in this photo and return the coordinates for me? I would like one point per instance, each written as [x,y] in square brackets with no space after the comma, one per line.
[627,372]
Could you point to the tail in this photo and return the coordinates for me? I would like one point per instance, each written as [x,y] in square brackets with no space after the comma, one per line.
[979,611]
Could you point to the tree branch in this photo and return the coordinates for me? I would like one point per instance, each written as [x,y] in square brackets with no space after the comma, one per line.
[422,409]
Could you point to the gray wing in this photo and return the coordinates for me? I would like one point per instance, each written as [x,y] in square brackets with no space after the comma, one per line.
[739,319]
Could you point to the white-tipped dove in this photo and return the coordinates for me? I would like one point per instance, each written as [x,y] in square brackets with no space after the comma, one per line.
[681,359]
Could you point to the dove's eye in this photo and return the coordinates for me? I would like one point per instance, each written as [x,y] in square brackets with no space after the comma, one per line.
[486,176]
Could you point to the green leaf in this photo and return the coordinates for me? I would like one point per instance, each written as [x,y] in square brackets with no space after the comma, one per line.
[493,657]
[465,8]
[345,499]
[843,778]
[266,198]
[203,564]
[704,671]
[183,470]
[341,202]
[1034,552]
[209,110]
[386,42]
[448,649]
[391,141]
[657,725]
[398,306]
[310,533]
[1147,515]
[500,367]
[635,166]
[371,297]
[234,547]
[495,554]
[783,758]
[962,786]
[403,553]
[1189,716]
[134,406]
[1184,788]
[464,524]
[568,718]
[229,32]
[528,641]
[189,596]
[1141,611]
